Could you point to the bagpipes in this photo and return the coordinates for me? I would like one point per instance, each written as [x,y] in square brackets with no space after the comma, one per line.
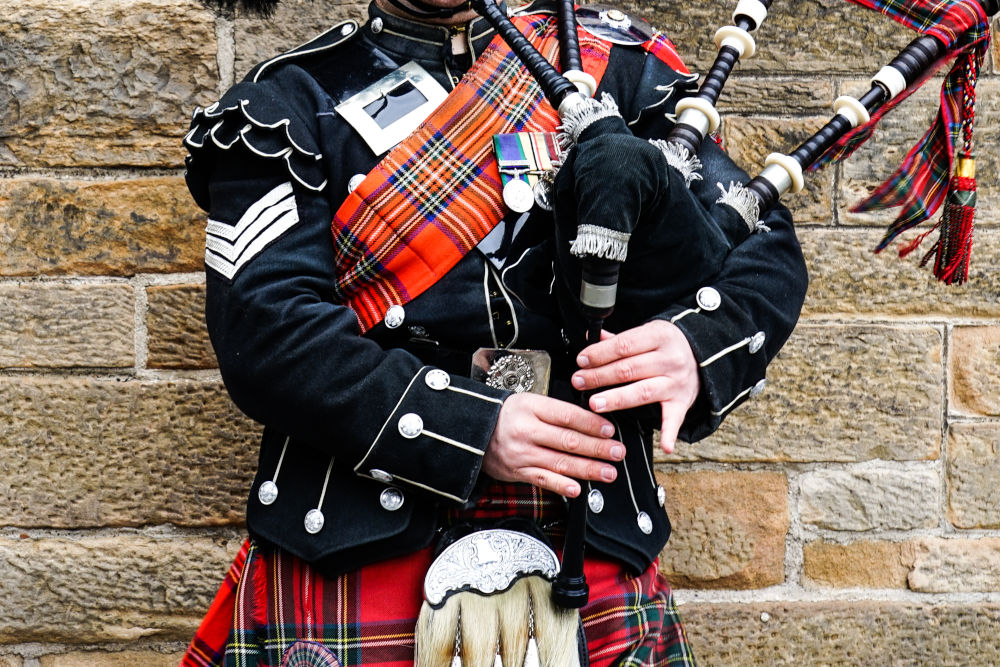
[930,173]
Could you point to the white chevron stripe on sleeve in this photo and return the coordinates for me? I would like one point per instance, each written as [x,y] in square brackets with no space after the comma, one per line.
[232,232]
[230,247]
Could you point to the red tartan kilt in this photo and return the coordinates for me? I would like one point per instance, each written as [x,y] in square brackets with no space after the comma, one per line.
[368,616]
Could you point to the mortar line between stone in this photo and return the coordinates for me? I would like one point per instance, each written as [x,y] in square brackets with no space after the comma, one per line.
[225,35]
[141,330]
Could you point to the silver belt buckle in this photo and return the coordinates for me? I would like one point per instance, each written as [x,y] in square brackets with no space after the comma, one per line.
[513,370]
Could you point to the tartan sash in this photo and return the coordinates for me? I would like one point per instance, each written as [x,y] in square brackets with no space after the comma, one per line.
[437,194]
[920,184]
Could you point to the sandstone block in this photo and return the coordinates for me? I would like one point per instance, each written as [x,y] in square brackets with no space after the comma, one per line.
[97,589]
[109,83]
[974,366]
[749,142]
[747,95]
[996,46]
[49,325]
[60,227]
[974,475]
[955,565]
[78,451]
[838,633]
[293,23]
[788,42]
[847,279]
[840,393]
[177,337]
[728,529]
[888,499]
[857,565]
[105,659]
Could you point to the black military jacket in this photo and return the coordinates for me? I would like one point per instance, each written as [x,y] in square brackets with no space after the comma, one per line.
[368,438]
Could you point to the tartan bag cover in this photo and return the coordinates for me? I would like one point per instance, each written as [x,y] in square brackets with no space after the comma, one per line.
[437,194]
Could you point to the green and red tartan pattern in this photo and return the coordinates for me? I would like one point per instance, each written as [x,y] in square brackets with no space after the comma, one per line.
[438,194]
[920,184]
[209,641]
[368,617]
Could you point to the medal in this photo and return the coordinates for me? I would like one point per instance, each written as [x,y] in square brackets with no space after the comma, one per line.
[525,161]
[518,195]
[543,194]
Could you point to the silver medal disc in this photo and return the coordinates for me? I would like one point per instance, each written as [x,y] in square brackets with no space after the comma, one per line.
[518,196]
[543,195]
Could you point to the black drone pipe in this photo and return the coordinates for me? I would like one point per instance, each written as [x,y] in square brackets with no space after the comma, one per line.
[906,68]
[734,42]
[569,41]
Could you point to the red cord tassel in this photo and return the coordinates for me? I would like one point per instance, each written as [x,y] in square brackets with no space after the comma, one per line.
[953,249]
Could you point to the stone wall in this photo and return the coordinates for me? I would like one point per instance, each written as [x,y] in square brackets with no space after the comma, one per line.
[849,514]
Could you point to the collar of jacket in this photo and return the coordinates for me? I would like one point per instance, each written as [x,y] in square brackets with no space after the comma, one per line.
[418,40]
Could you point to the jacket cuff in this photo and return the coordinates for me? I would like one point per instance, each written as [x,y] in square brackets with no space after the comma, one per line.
[436,436]
[731,357]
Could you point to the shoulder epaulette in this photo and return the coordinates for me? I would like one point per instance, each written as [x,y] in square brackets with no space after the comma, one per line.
[256,115]
[335,36]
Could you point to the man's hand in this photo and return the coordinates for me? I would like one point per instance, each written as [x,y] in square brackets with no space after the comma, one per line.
[551,444]
[653,363]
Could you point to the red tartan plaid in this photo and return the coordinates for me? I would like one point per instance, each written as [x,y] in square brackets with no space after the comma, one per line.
[436,195]
[209,641]
[663,49]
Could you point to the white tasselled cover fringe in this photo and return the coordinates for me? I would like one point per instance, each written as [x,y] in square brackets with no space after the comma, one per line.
[743,202]
[583,116]
[595,241]
[680,159]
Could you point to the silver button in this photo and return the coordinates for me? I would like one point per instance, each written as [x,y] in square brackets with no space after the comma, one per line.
[314,521]
[410,425]
[645,523]
[437,379]
[595,499]
[661,496]
[757,388]
[394,317]
[355,181]
[391,500]
[380,476]
[376,25]
[757,342]
[708,298]
[267,493]
[347,30]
